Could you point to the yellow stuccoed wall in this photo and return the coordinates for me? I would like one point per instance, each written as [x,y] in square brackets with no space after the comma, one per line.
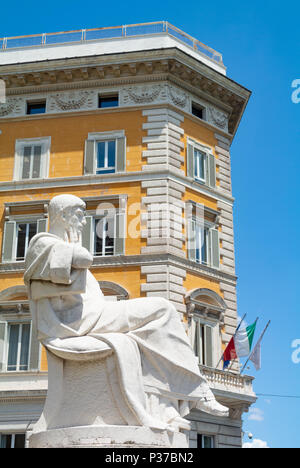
[193,281]
[68,134]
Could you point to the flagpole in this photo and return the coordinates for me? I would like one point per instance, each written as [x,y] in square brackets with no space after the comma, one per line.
[258,341]
[233,335]
[234,359]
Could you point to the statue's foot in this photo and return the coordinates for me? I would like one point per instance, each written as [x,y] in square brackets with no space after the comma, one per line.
[179,424]
[213,407]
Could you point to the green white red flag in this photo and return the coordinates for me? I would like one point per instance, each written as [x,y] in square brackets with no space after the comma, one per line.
[240,344]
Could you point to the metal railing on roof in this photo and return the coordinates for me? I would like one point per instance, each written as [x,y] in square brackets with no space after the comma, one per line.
[114,32]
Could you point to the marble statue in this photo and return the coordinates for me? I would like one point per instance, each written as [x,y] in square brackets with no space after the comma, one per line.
[140,344]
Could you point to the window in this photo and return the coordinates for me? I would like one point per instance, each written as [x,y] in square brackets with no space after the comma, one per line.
[18,347]
[36,107]
[202,342]
[31,159]
[198,110]
[17,235]
[12,440]
[105,153]
[205,441]
[104,236]
[31,162]
[203,243]
[201,164]
[106,157]
[24,234]
[109,101]
[105,230]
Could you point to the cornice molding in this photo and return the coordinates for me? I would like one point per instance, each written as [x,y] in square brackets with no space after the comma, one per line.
[115,70]
[104,179]
[141,260]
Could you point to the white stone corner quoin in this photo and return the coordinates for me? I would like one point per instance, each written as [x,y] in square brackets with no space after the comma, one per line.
[117,377]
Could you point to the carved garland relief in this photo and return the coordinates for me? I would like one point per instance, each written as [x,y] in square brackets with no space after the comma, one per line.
[134,95]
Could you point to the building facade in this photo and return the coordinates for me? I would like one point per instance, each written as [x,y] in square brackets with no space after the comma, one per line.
[138,122]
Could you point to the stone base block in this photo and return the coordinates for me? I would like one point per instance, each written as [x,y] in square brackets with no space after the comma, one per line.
[108,437]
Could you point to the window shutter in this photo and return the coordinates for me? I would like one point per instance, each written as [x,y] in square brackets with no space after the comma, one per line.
[191,240]
[215,248]
[42,225]
[43,162]
[8,245]
[190,163]
[121,155]
[120,233]
[211,170]
[34,357]
[3,334]
[89,157]
[87,234]
[208,346]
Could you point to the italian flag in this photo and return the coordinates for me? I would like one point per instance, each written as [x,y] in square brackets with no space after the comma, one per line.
[240,345]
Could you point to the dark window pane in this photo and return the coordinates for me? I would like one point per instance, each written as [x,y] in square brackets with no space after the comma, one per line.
[13,348]
[204,247]
[111,153]
[32,232]
[108,101]
[197,111]
[21,241]
[25,347]
[36,107]
[6,441]
[204,441]
[19,441]
[101,155]
[106,171]
[207,442]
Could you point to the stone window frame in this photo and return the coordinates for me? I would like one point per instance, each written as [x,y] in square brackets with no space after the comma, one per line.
[90,151]
[208,314]
[45,143]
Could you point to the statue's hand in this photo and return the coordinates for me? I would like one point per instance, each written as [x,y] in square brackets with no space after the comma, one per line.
[81,257]
[73,235]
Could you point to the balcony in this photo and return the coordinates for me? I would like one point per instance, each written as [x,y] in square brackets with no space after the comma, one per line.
[231,389]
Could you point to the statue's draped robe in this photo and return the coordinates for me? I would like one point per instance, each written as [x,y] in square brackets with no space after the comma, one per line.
[153,353]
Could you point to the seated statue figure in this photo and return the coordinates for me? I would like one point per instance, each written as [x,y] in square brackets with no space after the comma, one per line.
[152,352]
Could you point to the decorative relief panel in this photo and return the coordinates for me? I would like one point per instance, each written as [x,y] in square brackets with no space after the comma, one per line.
[141,94]
[154,94]
[72,101]
[217,118]
[133,95]
[178,97]
[13,107]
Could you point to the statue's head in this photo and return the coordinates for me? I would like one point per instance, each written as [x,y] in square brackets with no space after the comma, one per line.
[67,214]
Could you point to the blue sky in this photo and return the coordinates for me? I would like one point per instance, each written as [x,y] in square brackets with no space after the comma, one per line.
[260,46]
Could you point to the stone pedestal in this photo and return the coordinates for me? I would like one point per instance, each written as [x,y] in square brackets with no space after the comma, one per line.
[108,437]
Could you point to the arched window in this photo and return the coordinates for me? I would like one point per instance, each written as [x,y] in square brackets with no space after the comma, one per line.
[113,291]
[206,316]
